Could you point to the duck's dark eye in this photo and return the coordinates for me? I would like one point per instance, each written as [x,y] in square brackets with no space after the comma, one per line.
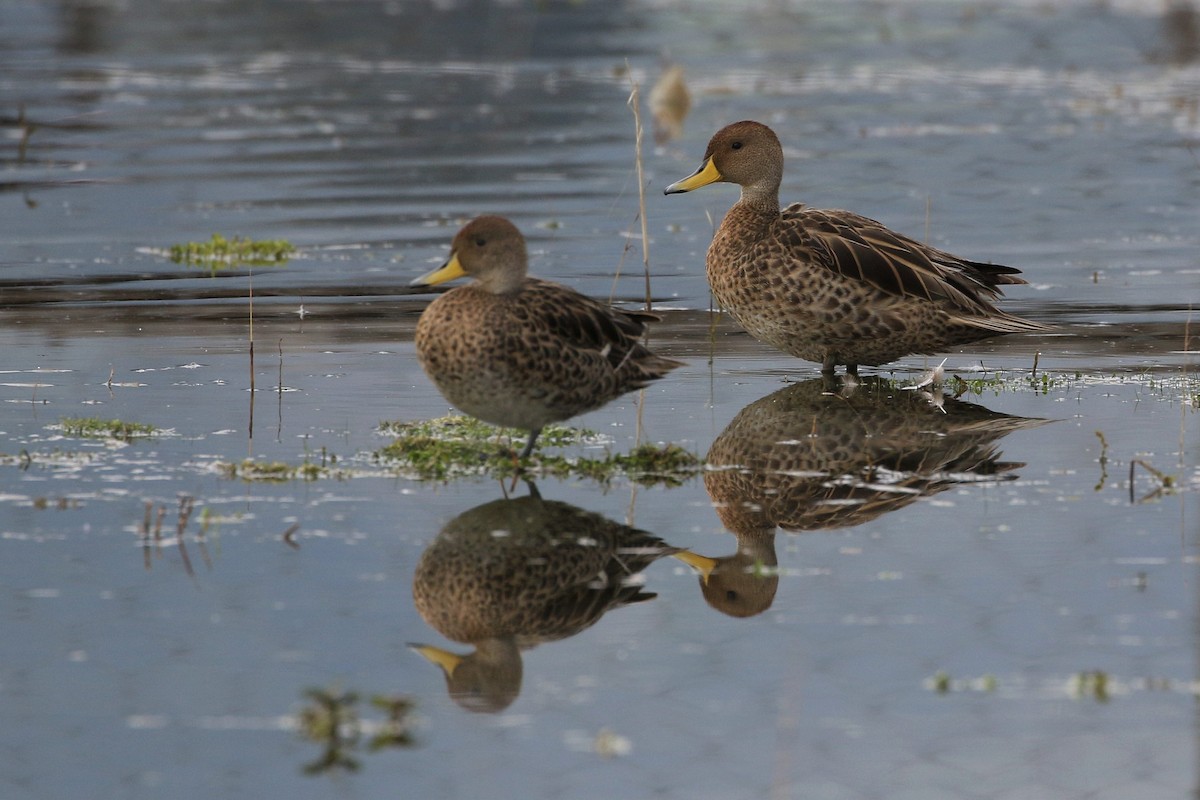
[735,146]
[480,241]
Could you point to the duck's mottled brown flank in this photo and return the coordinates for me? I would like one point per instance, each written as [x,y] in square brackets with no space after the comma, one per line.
[521,352]
[833,286]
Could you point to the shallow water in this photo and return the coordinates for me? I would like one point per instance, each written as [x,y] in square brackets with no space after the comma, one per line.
[994,612]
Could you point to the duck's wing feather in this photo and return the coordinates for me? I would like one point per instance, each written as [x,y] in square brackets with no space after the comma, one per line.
[582,322]
[863,249]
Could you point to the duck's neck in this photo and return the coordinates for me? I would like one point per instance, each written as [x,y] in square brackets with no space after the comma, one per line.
[759,201]
[757,546]
[750,218]
[501,283]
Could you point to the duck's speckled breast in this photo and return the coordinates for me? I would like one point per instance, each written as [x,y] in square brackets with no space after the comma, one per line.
[777,298]
[466,342]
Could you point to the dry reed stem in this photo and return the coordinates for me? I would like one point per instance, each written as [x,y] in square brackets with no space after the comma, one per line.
[1187,337]
[279,397]
[250,423]
[635,102]
[289,536]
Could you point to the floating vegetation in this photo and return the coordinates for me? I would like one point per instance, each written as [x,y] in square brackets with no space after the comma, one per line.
[278,471]
[1103,461]
[942,683]
[996,383]
[459,427]
[59,503]
[58,459]
[651,463]
[443,448]
[281,472]
[332,719]
[221,253]
[1090,683]
[96,428]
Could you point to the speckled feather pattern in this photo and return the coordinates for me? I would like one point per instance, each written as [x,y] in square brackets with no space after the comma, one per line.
[539,355]
[814,456]
[808,282]
[803,458]
[554,571]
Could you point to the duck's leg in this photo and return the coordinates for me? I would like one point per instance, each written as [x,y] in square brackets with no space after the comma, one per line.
[533,434]
[517,468]
[828,365]
[852,369]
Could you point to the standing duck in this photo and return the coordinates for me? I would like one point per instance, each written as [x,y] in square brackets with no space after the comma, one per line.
[522,352]
[833,286]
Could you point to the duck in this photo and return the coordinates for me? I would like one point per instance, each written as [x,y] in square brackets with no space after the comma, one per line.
[521,352]
[811,458]
[512,574]
[833,286]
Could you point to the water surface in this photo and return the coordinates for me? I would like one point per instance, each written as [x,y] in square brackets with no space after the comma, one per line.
[1007,616]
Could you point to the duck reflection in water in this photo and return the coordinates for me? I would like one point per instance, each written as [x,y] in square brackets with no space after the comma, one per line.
[513,573]
[807,458]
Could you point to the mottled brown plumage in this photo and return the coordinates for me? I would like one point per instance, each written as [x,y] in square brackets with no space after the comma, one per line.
[806,458]
[510,574]
[833,286]
[521,352]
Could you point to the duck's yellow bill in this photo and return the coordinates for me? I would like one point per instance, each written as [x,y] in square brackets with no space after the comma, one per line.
[446,272]
[443,658]
[703,564]
[708,173]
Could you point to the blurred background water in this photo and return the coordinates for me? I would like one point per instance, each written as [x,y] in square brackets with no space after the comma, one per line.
[1033,635]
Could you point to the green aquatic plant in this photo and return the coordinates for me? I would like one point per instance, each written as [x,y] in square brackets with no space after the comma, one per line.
[1103,460]
[1039,382]
[1044,382]
[221,253]
[251,470]
[331,719]
[1090,683]
[96,428]
[459,427]
[668,463]
[647,464]
[454,446]
[275,471]
[442,448]
[943,683]
[393,729]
